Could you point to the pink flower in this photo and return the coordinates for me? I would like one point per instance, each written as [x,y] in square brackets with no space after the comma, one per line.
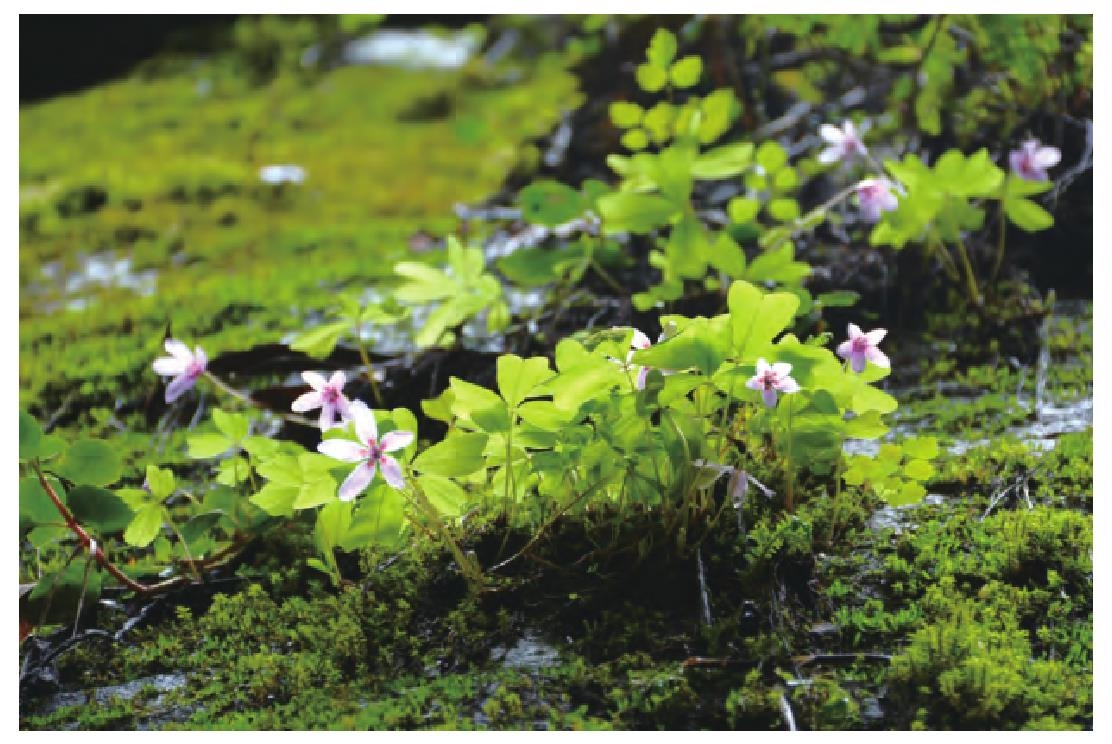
[184,366]
[328,396]
[369,452]
[874,195]
[844,143]
[862,346]
[770,379]
[1031,161]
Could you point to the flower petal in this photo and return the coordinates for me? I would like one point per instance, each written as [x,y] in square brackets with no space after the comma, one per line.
[306,402]
[201,358]
[845,349]
[642,377]
[754,383]
[179,350]
[769,398]
[327,415]
[788,385]
[640,340]
[343,405]
[831,154]
[396,440]
[1047,157]
[357,481]
[343,450]
[178,386]
[831,134]
[169,366]
[762,366]
[338,380]
[849,129]
[876,335]
[782,369]
[878,357]
[365,426]
[857,361]
[854,331]
[392,472]
[314,380]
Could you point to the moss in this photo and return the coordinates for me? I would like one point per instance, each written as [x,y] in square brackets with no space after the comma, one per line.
[162,171]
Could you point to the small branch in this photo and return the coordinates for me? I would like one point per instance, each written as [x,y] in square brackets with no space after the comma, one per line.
[83,537]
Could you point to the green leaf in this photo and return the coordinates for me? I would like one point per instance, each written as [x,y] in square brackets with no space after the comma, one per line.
[232,425]
[518,378]
[276,499]
[145,526]
[662,48]
[838,298]
[636,213]
[635,139]
[377,522]
[449,499]
[233,471]
[923,448]
[296,482]
[723,162]
[320,341]
[699,345]
[757,318]
[727,256]
[161,482]
[866,426]
[687,248]
[908,493]
[550,203]
[686,72]
[625,114]
[544,415]
[333,523]
[468,397]
[784,210]
[99,508]
[459,454]
[90,461]
[743,210]
[200,526]
[920,470]
[651,78]
[30,436]
[771,156]
[658,121]
[35,507]
[204,446]
[1026,214]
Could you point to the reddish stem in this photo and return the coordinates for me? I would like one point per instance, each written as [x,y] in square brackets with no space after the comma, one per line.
[98,553]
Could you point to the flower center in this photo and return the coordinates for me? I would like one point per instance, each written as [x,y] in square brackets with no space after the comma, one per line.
[374,450]
[330,394]
[194,369]
[861,344]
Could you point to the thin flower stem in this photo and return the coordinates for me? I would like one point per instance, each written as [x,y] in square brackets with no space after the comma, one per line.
[790,495]
[245,398]
[1002,232]
[970,279]
[370,371]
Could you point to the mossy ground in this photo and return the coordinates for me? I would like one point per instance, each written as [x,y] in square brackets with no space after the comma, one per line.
[977,610]
[985,613]
[162,170]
